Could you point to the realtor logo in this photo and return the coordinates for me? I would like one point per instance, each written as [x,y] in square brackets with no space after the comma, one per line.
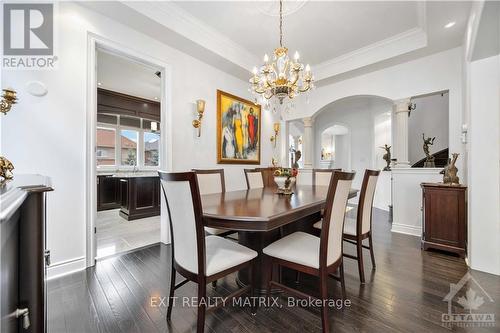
[28,36]
[470,301]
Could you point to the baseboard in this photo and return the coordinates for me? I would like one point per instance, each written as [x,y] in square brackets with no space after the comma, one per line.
[406,229]
[65,267]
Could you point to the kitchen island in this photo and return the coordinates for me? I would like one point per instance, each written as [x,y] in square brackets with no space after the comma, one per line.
[137,194]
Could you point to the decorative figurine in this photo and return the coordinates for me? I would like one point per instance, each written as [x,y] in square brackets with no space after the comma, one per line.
[429,159]
[452,170]
[6,168]
[298,155]
[445,173]
[387,157]
[450,175]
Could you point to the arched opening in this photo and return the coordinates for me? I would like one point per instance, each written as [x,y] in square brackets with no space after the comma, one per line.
[335,147]
[358,126]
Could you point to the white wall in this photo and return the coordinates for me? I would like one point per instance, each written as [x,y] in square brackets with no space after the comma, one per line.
[437,72]
[407,198]
[431,118]
[47,135]
[484,165]
[382,136]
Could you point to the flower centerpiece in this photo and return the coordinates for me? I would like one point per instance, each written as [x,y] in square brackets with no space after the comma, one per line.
[285,179]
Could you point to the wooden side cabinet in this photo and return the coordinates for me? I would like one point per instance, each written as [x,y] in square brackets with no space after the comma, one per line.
[444,217]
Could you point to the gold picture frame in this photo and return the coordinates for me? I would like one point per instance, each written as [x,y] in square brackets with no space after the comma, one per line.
[238,130]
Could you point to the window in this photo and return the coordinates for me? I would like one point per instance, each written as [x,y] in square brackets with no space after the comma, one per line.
[128,147]
[106,146]
[124,141]
[151,149]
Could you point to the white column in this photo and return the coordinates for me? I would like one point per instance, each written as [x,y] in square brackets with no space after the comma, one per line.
[401,113]
[307,143]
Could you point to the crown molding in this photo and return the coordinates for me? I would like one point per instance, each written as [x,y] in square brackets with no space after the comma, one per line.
[405,42]
[183,23]
[178,20]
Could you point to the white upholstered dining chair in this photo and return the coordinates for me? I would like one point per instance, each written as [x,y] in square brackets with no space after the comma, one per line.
[359,228]
[319,256]
[321,177]
[209,182]
[254,178]
[198,258]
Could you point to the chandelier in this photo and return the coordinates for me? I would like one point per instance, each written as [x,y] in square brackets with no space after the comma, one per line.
[282,77]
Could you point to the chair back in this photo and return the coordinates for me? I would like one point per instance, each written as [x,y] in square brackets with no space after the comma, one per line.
[185,213]
[365,204]
[254,178]
[333,219]
[322,177]
[210,181]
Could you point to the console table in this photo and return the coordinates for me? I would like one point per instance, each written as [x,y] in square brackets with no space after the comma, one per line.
[444,217]
[23,256]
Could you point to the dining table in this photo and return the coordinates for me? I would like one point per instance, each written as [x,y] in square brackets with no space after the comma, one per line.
[261,216]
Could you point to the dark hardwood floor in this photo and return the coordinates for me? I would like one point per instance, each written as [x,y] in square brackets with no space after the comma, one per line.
[404,294]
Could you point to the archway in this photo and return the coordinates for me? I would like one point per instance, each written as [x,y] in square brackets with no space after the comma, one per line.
[335,147]
[365,124]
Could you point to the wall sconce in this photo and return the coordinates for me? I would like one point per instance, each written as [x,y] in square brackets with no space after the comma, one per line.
[274,138]
[8,99]
[200,107]
[154,126]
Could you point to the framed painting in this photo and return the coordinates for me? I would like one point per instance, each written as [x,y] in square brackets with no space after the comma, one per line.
[238,130]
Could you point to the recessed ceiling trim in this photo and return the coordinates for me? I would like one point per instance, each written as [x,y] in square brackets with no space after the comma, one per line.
[405,42]
[176,19]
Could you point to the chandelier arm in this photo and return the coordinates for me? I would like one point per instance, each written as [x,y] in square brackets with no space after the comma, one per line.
[304,88]
[259,91]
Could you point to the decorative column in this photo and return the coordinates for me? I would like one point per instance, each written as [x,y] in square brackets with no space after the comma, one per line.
[307,143]
[401,114]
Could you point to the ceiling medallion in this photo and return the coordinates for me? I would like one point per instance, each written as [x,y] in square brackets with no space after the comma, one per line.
[282,78]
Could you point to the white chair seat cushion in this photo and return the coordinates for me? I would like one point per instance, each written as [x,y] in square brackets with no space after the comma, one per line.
[299,247]
[215,231]
[223,254]
[349,226]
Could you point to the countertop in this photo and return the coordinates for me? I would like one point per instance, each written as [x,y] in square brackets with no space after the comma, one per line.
[122,174]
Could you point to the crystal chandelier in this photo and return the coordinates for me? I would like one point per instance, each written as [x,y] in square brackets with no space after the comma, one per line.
[282,77]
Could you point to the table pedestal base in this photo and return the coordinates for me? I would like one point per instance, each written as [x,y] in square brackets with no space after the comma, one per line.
[258,240]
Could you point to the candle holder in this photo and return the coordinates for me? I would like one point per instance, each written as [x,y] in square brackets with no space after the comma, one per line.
[200,108]
[8,99]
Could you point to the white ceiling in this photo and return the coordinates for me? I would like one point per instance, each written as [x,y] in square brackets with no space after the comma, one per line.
[127,76]
[336,37]
[320,31]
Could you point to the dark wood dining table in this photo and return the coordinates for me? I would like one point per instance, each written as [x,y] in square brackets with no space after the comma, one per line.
[261,216]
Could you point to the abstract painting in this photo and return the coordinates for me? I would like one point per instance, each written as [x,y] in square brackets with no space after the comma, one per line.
[238,130]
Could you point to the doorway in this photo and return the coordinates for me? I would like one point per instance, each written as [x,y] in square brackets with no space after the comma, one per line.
[126,147]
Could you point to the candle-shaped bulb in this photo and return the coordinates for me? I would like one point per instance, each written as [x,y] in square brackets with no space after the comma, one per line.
[308,68]
[296,56]
[266,58]
[254,70]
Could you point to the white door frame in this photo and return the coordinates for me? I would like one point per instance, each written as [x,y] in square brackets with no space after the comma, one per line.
[95,42]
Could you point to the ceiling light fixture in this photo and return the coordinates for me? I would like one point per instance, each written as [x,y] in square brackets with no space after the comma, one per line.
[281,77]
[450,24]
[99,84]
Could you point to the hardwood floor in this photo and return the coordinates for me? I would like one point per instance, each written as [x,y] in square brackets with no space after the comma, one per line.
[404,294]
